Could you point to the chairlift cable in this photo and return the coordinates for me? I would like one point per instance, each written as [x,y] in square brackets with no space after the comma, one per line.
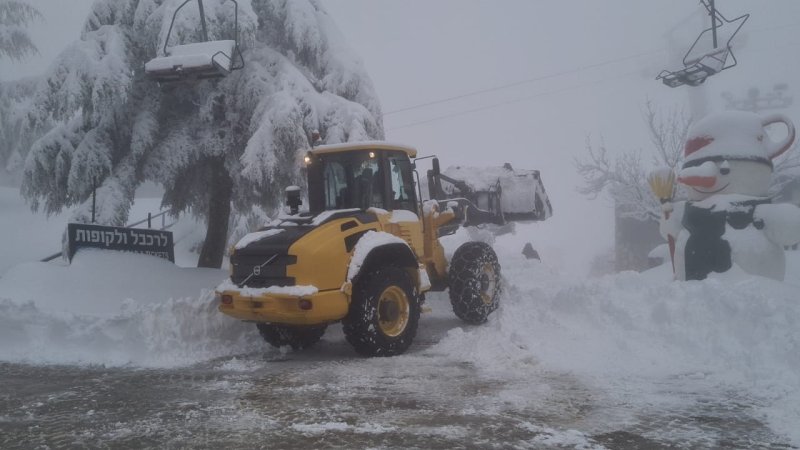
[516,100]
[776,27]
[541,94]
[526,81]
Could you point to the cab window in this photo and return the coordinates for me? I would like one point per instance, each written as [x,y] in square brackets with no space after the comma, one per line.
[335,181]
[352,180]
[401,183]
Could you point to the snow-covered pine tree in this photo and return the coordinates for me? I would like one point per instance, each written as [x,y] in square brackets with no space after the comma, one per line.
[214,145]
[15,16]
[16,98]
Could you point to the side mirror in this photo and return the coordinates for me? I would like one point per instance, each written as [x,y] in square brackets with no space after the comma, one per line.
[293,200]
[436,170]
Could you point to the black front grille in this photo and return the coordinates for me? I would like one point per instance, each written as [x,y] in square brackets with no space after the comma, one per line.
[263,282]
[259,271]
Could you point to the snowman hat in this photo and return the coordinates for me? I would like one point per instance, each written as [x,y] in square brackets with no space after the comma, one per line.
[735,135]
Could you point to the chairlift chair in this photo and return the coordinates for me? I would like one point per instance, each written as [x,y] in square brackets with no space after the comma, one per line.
[198,60]
[698,68]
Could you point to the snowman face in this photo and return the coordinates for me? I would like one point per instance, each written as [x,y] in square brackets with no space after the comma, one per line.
[743,177]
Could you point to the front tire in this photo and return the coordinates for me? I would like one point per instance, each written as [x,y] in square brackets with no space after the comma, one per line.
[384,313]
[297,337]
[474,279]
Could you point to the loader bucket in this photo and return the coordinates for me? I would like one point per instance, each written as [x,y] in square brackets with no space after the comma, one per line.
[501,194]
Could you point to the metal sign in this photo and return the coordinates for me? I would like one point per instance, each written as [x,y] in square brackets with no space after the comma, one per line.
[136,240]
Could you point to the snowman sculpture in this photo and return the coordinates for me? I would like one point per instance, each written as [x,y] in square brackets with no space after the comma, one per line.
[729,219]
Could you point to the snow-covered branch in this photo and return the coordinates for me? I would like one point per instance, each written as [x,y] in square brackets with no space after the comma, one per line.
[15,16]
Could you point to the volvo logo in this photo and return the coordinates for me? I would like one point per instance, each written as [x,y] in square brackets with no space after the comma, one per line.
[257,270]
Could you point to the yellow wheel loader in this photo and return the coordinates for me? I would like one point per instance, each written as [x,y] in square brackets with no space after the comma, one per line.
[367,249]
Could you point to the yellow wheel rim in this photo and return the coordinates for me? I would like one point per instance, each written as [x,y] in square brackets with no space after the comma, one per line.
[488,281]
[393,311]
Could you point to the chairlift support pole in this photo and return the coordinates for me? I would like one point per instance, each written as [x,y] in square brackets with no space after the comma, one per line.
[205,29]
[712,11]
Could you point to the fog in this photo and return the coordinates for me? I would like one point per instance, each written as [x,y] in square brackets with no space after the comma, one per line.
[575,69]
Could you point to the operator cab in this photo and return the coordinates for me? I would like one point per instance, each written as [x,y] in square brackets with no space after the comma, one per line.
[361,176]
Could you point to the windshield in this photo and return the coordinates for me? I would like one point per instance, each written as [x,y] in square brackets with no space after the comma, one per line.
[351,180]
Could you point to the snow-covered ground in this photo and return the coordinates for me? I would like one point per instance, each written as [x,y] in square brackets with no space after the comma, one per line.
[629,335]
[630,351]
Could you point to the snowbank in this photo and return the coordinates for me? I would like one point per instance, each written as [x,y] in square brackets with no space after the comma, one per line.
[115,308]
[629,333]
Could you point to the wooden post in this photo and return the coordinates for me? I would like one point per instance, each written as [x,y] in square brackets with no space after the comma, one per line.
[94,197]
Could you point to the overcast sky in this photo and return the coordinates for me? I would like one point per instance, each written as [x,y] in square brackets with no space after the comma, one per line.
[595,62]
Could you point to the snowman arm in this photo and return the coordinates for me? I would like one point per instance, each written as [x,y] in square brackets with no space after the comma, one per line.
[671,221]
[781,222]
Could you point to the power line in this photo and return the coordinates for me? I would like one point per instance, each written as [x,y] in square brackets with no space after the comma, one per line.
[540,78]
[521,82]
[777,27]
[554,75]
[516,100]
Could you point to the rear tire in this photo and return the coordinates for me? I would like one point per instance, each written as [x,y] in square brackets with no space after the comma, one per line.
[384,313]
[474,279]
[295,336]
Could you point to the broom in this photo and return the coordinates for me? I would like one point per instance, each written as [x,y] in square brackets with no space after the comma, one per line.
[662,183]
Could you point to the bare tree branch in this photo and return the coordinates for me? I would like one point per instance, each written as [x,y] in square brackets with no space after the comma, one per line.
[624,176]
[668,131]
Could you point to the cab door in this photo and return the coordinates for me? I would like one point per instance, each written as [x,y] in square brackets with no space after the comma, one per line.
[401,200]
